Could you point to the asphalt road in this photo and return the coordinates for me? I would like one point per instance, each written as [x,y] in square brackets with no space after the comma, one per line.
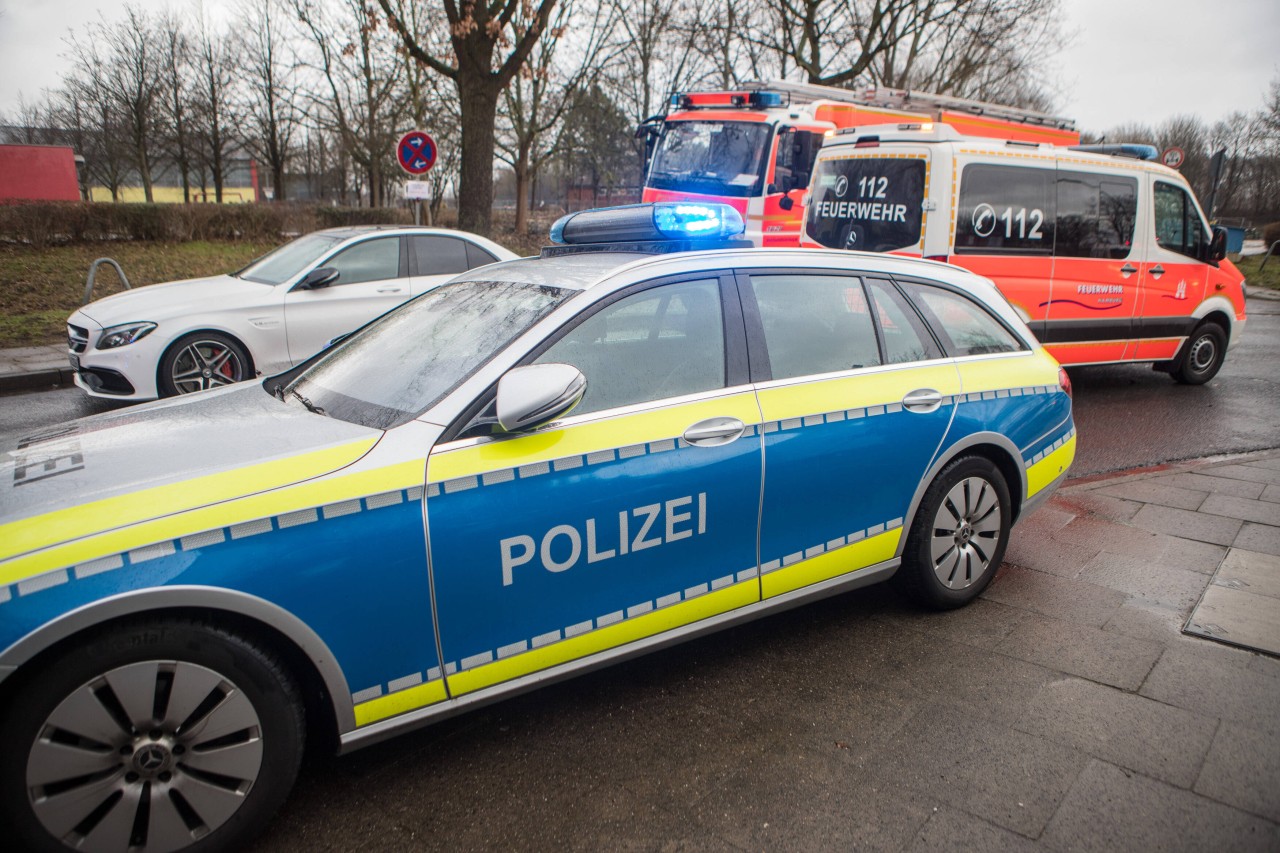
[1127,415]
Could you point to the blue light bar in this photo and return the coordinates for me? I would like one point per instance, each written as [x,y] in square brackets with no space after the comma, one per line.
[662,221]
[766,99]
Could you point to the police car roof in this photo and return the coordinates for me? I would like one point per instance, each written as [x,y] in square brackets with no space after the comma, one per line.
[573,271]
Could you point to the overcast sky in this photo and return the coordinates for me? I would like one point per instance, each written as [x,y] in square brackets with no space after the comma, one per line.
[1127,60]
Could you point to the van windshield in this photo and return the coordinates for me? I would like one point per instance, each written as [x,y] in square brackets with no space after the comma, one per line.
[724,158]
[874,204]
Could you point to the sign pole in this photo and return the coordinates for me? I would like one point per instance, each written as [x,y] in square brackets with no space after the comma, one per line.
[416,154]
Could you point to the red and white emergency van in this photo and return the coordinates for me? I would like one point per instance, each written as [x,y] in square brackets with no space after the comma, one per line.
[1102,251]
[754,148]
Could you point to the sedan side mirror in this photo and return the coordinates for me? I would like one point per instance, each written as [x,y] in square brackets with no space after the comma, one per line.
[1217,245]
[534,396]
[318,278]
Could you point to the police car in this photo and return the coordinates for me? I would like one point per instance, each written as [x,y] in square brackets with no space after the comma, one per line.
[541,467]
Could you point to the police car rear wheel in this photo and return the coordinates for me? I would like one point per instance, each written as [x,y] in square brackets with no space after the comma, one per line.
[1202,355]
[958,537]
[171,735]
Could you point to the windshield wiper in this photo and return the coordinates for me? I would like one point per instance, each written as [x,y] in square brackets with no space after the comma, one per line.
[311,407]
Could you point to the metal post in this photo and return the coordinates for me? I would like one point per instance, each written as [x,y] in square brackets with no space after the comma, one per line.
[93,274]
[1263,265]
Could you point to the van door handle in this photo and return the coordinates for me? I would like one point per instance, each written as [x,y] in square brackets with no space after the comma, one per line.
[1128,270]
[714,432]
[1156,271]
[922,401]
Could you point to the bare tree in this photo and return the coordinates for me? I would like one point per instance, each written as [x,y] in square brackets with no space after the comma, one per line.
[538,97]
[122,61]
[269,114]
[486,53]
[214,74]
[362,105]
[175,66]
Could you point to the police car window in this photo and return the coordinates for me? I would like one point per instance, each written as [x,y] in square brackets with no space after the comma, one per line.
[1178,225]
[1005,210]
[372,260]
[815,324]
[964,327]
[1096,215]
[873,204]
[663,342]
[438,255]
[407,360]
[905,336]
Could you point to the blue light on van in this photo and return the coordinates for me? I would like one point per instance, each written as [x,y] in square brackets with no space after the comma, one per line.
[662,221]
[766,99]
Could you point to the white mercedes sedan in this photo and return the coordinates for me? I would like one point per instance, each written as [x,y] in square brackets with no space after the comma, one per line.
[185,336]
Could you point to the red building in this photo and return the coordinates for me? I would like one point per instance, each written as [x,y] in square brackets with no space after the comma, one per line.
[38,173]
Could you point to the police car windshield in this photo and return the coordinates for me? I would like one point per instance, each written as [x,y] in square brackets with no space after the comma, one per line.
[409,359]
[284,263]
[723,158]
[872,203]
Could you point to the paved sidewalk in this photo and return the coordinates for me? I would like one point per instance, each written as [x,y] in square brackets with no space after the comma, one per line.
[30,368]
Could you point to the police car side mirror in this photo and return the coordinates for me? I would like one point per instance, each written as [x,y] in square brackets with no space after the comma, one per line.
[1217,245]
[533,396]
[318,278]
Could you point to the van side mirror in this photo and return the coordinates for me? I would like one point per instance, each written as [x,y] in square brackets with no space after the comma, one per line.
[535,395]
[318,278]
[1217,245]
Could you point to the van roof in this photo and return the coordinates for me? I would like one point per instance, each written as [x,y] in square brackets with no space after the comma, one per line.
[934,133]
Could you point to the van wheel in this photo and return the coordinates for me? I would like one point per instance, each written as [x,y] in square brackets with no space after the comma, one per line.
[165,735]
[1202,355]
[958,537]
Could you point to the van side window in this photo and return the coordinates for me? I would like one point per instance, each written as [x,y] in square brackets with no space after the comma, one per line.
[1096,215]
[664,342]
[1005,210]
[1178,225]
[963,326]
[815,324]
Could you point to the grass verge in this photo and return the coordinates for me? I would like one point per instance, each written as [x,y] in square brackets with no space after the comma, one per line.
[40,287]
[1256,277]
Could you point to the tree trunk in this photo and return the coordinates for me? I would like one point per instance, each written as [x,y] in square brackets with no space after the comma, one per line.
[521,169]
[479,105]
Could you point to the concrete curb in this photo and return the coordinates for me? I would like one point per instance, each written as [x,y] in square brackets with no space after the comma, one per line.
[36,379]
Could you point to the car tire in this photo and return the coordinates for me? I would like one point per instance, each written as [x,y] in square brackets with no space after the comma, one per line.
[958,536]
[1202,355]
[161,735]
[200,361]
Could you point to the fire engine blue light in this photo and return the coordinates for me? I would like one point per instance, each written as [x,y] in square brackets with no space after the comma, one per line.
[766,99]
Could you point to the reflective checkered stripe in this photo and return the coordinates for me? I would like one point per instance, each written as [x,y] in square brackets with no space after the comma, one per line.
[206,539]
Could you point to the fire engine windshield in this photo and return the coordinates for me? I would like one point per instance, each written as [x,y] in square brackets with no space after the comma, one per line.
[724,158]
[872,203]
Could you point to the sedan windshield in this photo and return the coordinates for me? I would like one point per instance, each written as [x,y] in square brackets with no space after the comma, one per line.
[724,158]
[290,259]
[406,361]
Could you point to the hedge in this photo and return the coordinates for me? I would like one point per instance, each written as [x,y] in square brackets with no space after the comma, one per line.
[42,223]
[1270,233]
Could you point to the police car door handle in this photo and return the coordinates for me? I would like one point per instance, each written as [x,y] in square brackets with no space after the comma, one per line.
[1128,270]
[1157,271]
[922,400]
[714,432]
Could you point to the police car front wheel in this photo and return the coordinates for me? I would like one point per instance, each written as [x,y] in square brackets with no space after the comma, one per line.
[958,537]
[166,735]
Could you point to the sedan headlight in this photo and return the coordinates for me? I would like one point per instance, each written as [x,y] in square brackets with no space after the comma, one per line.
[123,335]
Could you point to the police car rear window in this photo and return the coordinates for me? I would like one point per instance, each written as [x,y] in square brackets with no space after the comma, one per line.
[873,204]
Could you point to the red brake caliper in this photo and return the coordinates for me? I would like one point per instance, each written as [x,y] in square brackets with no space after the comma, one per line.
[225,370]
